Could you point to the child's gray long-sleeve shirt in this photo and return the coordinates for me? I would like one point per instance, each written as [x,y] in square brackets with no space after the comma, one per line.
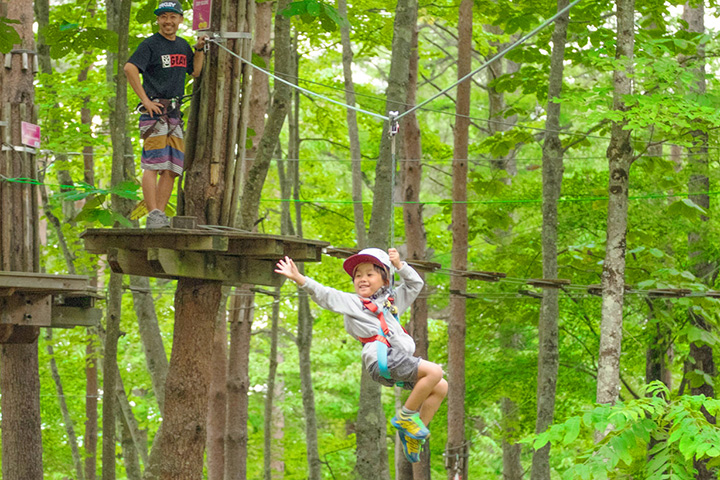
[361,322]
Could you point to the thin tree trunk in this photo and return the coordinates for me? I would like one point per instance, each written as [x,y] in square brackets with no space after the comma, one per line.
[620,156]
[550,310]
[149,329]
[512,468]
[371,448]
[269,420]
[353,131]
[416,239]
[273,126]
[260,94]
[236,436]
[456,463]
[701,265]
[118,21]
[129,424]
[217,407]
[129,450]
[305,318]
[68,422]
[91,405]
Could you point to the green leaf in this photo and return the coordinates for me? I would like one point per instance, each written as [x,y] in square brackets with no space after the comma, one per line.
[573,429]
[8,35]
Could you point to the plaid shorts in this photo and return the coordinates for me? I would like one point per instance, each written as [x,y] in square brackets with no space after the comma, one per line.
[164,147]
[402,368]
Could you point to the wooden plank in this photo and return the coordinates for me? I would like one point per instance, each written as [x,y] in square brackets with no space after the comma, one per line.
[256,247]
[25,309]
[230,270]
[548,282]
[133,262]
[167,239]
[484,276]
[68,317]
[41,282]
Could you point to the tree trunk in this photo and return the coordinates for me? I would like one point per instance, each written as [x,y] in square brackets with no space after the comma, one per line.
[269,420]
[19,378]
[383,203]
[371,448]
[238,383]
[273,126]
[118,21]
[305,318]
[416,239]
[178,452]
[149,329]
[512,468]
[91,405]
[260,95]
[353,131]
[457,305]
[550,309]
[620,156]
[67,419]
[217,407]
[703,268]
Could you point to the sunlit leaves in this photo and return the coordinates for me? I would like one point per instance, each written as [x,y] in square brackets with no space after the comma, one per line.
[65,38]
[311,10]
[8,34]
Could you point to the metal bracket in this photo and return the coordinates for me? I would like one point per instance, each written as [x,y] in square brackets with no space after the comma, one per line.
[11,148]
[228,35]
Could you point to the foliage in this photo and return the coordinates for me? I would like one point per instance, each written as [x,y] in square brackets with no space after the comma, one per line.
[649,437]
[8,34]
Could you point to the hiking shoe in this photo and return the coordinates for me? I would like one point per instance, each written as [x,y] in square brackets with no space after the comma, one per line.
[157,219]
[411,426]
[411,447]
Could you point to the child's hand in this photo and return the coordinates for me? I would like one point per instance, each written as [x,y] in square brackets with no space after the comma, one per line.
[288,268]
[395,258]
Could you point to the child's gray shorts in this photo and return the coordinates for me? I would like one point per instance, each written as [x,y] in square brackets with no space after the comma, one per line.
[402,367]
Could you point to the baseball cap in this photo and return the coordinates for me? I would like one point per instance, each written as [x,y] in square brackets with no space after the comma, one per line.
[169,6]
[368,255]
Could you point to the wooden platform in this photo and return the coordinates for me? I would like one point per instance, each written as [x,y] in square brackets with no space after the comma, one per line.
[41,300]
[228,256]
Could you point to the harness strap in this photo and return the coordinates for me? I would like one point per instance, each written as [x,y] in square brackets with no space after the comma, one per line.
[383,344]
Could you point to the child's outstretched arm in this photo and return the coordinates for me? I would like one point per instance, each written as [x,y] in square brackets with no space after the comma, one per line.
[288,268]
[395,258]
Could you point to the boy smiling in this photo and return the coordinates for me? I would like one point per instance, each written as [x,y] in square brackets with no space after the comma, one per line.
[371,316]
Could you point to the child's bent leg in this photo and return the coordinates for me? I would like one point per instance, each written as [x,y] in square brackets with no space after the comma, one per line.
[429,375]
[432,402]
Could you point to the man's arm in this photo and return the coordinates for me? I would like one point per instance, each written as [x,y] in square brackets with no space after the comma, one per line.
[133,76]
[199,57]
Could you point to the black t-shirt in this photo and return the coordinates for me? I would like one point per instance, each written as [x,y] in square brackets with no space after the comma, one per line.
[163,64]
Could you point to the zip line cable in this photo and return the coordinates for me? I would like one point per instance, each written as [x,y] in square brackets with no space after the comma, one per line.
[304,90]
[498,56]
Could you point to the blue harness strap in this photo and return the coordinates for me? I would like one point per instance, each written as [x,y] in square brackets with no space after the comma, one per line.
[381,339]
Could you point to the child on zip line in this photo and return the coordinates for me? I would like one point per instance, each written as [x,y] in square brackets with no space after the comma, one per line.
[371,316]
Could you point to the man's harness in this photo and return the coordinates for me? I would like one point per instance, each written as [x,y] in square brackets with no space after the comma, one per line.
[171,109]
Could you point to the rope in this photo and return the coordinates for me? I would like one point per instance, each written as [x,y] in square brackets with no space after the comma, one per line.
[304,90]
[498,56]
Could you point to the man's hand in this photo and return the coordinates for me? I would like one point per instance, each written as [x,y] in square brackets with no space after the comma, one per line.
[288,268]
[395,258]
[151,107]
[200,45]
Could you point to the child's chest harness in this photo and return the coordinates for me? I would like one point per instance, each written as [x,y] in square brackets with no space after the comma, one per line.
[384,334]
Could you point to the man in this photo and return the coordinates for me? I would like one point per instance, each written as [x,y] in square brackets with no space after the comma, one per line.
[163,59]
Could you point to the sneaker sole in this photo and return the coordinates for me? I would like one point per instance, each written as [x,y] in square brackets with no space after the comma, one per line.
[408,434]
[408,456]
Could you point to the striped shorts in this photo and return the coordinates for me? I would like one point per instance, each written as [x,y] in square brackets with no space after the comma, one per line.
[164,147]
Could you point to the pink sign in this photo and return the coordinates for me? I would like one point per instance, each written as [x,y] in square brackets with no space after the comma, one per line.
[201,14]
[30,134]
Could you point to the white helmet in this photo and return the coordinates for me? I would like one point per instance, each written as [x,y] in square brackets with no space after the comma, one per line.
[375,256]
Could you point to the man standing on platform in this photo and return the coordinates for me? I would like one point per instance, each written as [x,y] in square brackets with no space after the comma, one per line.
[163,60]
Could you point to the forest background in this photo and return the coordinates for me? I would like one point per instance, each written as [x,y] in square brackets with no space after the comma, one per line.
[652,423]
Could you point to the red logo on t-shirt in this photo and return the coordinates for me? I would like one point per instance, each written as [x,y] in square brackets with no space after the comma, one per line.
[174,60]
